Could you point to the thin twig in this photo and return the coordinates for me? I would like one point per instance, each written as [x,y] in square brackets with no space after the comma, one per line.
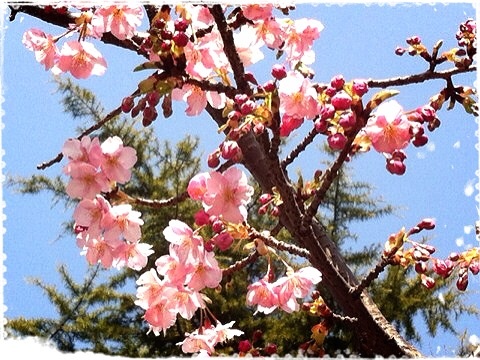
[88,131]
[240,264]
[418,78]
[372,275]
[280,245]
[300,147]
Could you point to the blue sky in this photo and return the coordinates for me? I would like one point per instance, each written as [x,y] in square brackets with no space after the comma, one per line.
[358,41]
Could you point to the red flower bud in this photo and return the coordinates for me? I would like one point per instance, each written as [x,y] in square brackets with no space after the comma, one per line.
[244,346]
[341,101]
[337,141]
[279,72]
[337,82]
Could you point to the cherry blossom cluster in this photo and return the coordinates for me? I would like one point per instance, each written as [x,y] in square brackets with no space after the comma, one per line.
[80,57]
[223,195]
[109,234]
[284,292]
[187,269]
[419,256]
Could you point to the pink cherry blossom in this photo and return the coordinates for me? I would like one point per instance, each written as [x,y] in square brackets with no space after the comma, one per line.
[174,271]
[187,302]
[122,220]
[85,150]
[197,99]
[86,181]
[227,195]
[43,45]
[262,294]
[118,159]
[271,32]
[248,45]
[295,285]
[257,11]
[133,255]
[196,342]
[206,273]
[185,245]
[98,249]
[298,98]
[89,214]
[299,40]
[81,59]
[389,128]
[161,315]
[149,288]
[289,123]
[205,56]
[121,21]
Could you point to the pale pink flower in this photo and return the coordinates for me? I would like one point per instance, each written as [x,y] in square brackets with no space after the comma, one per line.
[187,302]
[43,45]
[161,315]
[81,59]
[85,150]
[257,11]
[197,99]
[122,220]
[248,45]
[133,255]
[89,214]
[206,273]
[299,41]
[86,181]
[227,195]
[197,186]
[271,32]
[118,159]
[224,332]
[185,245]
[149,289]
[388,129]
[121,21]
[98,249]
[195,342]
[295,285]
[298,98]
[201,18]
[262,294]
[174,271]
[205,55]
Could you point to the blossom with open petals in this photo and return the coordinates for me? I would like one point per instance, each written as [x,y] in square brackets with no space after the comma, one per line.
[227,195]
[298,98]
[43,45]
[118,159]
[120,20]
[81,59]
[389,128]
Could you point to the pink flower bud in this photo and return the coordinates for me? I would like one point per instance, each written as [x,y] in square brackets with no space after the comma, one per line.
[180,39]
[399,51]
[337,141]
[127,104]
[201,218]
[321,126]
[270,349]
[240,99]
[264,198]
[231,151]
[395,166]
[279,72]
[327,112]
[244,346]
[337,82]
[414,40]
[341,101]
[427,224]
[217,226]
[213,159]
[462,282]
[153,98]
[223,240]
[360,87]
[420,140]
[474,267]
[347,120]
[257,335]
[247,107]
[444,268]
[269,86]
[420,267]
[180,24]
[427,281]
